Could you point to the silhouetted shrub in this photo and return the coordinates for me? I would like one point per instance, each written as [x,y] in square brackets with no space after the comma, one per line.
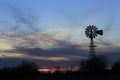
[94,64]
[116,67]
[27,66]
[26,70]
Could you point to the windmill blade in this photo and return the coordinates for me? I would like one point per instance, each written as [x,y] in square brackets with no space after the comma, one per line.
[92,27]
[86,29]
[88,35]
[95,34]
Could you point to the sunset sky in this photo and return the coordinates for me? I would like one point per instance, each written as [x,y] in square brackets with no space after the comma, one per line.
[51,32]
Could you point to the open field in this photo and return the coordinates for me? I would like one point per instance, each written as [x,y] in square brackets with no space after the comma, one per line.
[64,77]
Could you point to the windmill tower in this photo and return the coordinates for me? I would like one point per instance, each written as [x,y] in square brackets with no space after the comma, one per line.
[92,31]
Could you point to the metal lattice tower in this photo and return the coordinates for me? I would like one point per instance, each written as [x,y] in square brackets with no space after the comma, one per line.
[92,31]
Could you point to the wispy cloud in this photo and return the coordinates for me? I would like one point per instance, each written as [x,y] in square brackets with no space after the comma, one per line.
[26,56]
[11,32]
[5,45]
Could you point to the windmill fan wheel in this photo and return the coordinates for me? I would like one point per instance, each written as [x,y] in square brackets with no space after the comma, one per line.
[91,31]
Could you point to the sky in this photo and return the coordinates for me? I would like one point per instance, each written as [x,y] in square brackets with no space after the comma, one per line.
[51,32]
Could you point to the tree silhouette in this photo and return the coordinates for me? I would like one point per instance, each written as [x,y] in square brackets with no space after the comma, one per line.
[25,70]
[116,67]
[27,66]
[94,64]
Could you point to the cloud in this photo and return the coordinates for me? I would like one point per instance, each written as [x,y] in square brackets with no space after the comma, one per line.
[64,49]
[67,52]
[25,21]
[62,56]
[41,39]
[50,46]
[50,58]
[5,45]
[53,58]
[26,56]
[11,32]
[11,55]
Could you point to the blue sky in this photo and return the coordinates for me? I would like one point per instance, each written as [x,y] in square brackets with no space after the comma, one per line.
[48,31]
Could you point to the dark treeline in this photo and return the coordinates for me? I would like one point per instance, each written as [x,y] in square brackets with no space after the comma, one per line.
[93,68]
[97,65]
[23,71]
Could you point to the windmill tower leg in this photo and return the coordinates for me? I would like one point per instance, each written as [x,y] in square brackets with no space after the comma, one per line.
[92,49]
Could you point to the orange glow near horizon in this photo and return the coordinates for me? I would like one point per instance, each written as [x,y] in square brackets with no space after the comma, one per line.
[47,70]
[52,70]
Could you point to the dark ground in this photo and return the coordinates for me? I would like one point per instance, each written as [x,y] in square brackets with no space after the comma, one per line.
[75,76]
[60,76]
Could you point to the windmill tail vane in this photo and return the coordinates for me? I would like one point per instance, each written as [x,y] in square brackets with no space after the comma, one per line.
[92,31]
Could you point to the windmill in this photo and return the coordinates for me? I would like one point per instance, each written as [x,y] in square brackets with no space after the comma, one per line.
[92,31]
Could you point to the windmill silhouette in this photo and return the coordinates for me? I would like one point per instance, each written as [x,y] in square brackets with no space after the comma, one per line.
[92,31]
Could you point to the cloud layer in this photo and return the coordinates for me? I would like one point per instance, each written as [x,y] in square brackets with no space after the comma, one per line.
[56,36]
